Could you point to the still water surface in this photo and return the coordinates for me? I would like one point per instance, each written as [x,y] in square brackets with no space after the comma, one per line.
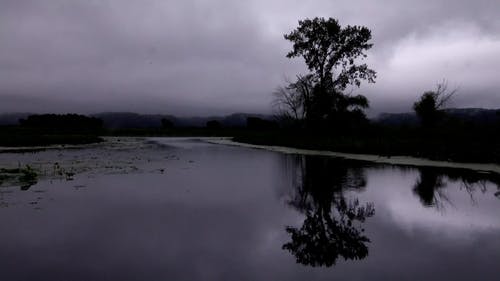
[183,209]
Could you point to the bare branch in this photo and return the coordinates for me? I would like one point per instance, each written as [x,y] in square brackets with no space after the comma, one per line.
[442,94]
[292,101]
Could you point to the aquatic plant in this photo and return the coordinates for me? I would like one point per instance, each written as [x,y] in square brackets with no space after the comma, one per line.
[24,177]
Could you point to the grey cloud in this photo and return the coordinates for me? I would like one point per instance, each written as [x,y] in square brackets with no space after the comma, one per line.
[206,57]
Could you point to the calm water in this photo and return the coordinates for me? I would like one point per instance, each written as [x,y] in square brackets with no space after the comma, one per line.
[177,209]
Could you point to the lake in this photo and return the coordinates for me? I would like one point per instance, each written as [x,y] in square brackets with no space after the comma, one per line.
[185,209]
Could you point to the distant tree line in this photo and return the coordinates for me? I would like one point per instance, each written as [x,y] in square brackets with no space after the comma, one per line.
[52,129]
[62,123]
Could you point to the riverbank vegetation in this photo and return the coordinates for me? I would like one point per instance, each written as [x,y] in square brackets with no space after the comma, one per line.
[452,139]
[52,129]
[319,111]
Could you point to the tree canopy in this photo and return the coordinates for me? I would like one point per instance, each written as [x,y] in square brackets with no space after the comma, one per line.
[331,51]
[333,54]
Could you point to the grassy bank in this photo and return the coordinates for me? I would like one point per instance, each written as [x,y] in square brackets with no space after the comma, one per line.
[448,148]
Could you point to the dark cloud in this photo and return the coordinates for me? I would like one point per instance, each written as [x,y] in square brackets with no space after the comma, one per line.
[206,57]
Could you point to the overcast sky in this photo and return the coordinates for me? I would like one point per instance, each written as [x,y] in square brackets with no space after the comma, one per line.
[200,57]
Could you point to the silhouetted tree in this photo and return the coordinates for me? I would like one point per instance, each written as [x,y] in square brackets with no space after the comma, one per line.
[331,53]
[429,108]
[329,230]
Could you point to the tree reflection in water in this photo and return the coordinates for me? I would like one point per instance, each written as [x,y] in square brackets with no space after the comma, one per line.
[429,187]
[333,224]
[431,183]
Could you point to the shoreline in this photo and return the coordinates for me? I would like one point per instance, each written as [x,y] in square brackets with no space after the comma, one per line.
[393,160]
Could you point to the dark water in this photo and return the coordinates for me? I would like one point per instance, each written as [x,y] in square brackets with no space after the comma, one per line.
[194,211]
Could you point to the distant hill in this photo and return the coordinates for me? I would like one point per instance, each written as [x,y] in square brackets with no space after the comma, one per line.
[7,119]
[479,115]
[396,119]
[474,115]
[118,120]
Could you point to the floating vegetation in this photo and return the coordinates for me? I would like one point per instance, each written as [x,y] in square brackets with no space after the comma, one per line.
[28,174]
[111,157]
[69,176]
[20,172]
[23,177]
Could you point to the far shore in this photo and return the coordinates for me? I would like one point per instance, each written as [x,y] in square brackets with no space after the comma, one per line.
[393,160]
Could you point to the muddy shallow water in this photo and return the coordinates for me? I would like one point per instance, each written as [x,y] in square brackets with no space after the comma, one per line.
[184,209]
